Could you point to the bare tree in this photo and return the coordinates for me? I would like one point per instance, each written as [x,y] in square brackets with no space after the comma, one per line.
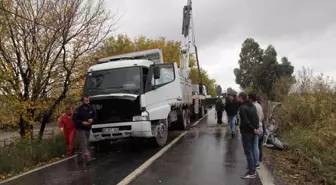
[43,47]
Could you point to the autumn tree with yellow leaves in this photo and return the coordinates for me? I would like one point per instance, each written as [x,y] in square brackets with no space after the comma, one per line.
[44,46]
[170,50]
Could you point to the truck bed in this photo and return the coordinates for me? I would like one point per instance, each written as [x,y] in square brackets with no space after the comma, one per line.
[186,88]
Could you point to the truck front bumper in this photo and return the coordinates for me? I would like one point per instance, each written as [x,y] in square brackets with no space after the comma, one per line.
[123,130]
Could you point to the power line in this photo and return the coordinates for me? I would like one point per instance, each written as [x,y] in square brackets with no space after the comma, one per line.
[25,18]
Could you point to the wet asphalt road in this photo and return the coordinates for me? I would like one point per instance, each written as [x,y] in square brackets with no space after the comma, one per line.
[109,167]
[206,155]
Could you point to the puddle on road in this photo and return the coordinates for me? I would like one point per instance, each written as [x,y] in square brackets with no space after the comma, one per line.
[219,131]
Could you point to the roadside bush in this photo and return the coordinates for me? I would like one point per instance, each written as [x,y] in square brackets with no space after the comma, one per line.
[26,153]
[308,124]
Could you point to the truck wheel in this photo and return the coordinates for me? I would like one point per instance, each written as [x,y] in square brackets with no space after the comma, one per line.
[161,134]
[202,112]
[188,118]
[184,121]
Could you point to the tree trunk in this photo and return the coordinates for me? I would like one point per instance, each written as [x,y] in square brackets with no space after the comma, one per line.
[31,130]
[47,116]
[22,127]
[41,130]
[25,128]
[44,121]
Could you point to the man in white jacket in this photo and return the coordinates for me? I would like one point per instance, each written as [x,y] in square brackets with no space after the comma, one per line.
[256,153]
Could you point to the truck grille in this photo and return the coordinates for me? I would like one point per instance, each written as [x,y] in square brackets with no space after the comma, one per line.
[113,119]
[121,128]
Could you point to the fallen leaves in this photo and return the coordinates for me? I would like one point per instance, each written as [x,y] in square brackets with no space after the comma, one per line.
[6,176]
[286,166]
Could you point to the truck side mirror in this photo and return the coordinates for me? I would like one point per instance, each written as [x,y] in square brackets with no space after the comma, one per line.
[157,72]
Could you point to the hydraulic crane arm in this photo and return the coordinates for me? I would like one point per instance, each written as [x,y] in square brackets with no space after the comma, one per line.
[185,51]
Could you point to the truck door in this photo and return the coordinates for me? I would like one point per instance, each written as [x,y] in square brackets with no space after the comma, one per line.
[162,89]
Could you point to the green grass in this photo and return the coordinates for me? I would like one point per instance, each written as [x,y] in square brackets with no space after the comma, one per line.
[312,152]
[308,125]
[26,153]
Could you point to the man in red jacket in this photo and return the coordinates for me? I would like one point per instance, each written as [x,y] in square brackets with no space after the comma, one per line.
[68,128]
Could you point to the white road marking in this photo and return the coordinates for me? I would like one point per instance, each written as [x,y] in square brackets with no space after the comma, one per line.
[265,176]
[131,176]
[151,160]
[201,118]
[36,169]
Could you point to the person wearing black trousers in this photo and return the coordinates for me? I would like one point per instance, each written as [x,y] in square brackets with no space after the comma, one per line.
[219,109]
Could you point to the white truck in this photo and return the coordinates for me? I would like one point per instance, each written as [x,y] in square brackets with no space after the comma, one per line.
[199,96]
[137,95]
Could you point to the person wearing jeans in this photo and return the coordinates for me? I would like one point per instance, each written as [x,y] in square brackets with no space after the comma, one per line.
[248,128]
[256,152]
[231,109]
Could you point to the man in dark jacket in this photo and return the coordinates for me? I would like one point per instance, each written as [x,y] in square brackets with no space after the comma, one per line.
[249,123]
[231,108]
[219,110]
[83,118]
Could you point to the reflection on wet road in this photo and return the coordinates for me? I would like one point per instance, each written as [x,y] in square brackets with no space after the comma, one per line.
[205,155]
[109,168]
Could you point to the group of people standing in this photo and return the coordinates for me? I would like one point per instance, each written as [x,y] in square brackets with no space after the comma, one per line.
[78,122]
[251,116]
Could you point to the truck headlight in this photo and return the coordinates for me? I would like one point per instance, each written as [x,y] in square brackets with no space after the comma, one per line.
[140,118]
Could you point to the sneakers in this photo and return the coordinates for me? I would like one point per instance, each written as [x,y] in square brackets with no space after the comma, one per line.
[257,167]
[249,175]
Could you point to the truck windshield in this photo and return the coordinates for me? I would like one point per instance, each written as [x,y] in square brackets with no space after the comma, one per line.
[119,80]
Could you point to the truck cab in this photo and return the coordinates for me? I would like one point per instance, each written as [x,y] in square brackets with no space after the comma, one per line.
[133,95]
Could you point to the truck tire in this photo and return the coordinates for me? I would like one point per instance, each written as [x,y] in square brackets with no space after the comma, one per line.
[184,122]
[161,134]
[188,118]
[202,111]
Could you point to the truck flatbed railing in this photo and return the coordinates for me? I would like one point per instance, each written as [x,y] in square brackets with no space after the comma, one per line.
[154,55]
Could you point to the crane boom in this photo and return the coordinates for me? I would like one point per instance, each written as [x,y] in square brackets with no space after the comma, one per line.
[187,27]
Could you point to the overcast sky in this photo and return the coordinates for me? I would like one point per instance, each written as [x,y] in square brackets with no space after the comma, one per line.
[302,30]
